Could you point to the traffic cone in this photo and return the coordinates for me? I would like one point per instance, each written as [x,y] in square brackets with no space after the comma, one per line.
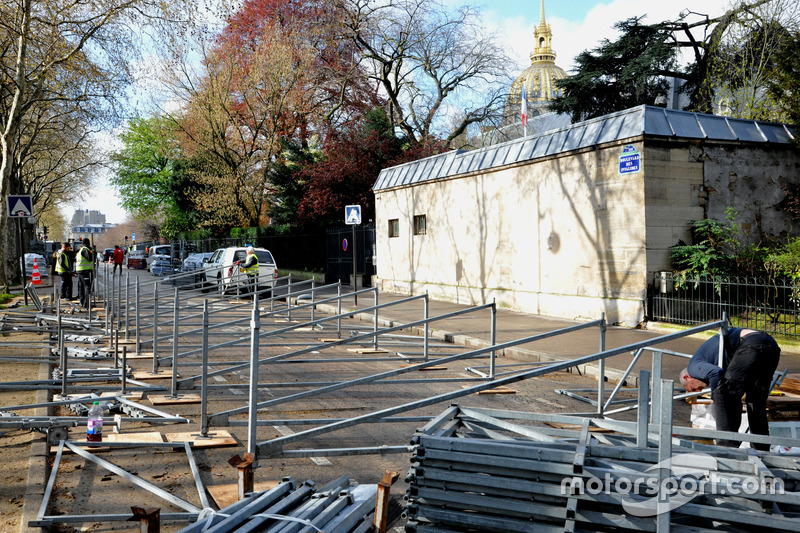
[36,279]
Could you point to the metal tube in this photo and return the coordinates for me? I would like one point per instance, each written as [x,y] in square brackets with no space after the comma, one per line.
[493,340]
[124,369]
[204,378]
[641,415]
[255,325]
[339,310]
[127,306]
[601,367]
[655,377]
[313,306]
[425,317]
[664,455]
[64,371]
[175,328]
[138,337]
[289,298]
[375,321]
[155,329]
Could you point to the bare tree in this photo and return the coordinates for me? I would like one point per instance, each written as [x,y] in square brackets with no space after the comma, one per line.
[424,57]
[63,51]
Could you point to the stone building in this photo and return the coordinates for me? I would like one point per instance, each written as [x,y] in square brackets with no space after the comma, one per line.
[575,222]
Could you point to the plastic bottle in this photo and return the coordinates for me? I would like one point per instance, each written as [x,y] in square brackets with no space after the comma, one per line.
[94,426]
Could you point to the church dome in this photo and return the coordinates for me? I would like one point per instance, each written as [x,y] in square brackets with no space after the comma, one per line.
[538,79]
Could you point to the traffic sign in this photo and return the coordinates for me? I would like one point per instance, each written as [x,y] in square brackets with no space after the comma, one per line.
[19,206]
[352,214]
[133,236]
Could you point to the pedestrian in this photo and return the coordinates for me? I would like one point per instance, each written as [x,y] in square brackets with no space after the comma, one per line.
[84,266]
[64,270]
[749,360]
[118,257]
[250,269]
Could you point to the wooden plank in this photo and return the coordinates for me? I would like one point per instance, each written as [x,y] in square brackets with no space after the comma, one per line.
[219,439]
[225,495]
[180,399]
[131,438]
[329,340]
[367,350]
[578,427]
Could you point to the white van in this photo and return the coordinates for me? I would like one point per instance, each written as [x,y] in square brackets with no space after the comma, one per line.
[221,270]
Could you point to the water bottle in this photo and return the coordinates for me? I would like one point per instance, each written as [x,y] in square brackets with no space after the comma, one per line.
[94,426]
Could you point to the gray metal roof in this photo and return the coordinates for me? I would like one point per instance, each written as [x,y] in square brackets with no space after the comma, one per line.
[642,120]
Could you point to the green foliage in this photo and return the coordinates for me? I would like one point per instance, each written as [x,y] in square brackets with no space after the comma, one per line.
[785,261]
[709,253]
[785,83]
[720,248]
[619,75]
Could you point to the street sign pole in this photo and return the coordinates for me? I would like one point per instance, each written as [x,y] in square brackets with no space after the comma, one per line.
[21,242]
[355,267]
[352,217]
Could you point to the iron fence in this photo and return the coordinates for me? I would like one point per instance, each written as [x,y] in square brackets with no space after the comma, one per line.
[766,304]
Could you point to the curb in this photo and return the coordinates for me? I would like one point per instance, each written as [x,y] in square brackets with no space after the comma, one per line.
[589,369]
[38,461]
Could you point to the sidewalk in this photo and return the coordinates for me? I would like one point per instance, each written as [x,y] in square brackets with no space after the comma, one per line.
[474,330]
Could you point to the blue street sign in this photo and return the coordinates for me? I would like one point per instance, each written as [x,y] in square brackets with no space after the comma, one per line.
[352,214]
[20,205]
[629,160]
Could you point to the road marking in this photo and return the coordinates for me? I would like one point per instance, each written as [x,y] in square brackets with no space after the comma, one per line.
[286,431]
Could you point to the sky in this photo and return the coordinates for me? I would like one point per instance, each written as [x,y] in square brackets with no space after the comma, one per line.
[577,25]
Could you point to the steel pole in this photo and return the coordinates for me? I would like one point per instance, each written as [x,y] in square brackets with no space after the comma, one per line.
[601,367]
[175,327]
[155,328]
[204,377]
[252,423]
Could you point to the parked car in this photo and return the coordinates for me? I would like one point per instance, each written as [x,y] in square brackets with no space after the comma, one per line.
[108,254]
[192,264]
[221,270]
[159,251]
[161,266]
[41,264]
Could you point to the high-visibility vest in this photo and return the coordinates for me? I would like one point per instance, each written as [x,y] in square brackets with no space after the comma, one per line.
[81,263]
[252,269]
[59,268]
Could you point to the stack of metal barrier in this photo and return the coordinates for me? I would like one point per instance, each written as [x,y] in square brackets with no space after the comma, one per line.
[475,472]
[337,507]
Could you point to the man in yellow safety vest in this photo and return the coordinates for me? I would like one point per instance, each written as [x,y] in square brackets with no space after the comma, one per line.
[84,266]
[64,269]
[250,269]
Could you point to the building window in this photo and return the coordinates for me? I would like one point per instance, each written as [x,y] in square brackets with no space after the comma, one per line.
[394,227]
[420,225]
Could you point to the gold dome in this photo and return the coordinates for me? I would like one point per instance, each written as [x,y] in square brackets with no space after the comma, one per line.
[539,78]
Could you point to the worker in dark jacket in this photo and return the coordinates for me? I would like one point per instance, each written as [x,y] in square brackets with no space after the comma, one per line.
[749,360]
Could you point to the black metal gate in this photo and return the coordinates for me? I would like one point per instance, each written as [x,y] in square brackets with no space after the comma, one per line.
[339,243]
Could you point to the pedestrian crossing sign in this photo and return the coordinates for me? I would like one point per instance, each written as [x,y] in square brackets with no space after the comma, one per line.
[19,206]
[352,214]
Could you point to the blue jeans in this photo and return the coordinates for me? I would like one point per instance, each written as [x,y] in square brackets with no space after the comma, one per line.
[749,372]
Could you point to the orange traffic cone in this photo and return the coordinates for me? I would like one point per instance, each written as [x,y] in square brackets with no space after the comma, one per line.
[36,279]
